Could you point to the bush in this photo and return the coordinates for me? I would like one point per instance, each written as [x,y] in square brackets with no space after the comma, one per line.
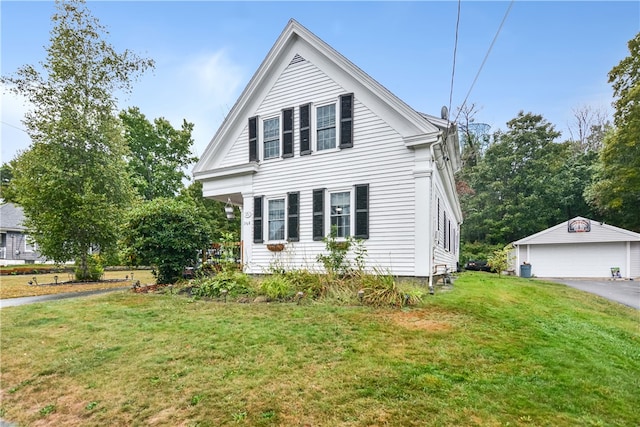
[276,286]
[94,270]
[235,282]
[313,285]
[167,234]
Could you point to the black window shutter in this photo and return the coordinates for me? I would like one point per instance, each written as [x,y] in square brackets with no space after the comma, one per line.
[362,211]
[253,139]
[257,219]
[287,132]
[318,214]
[305,142]
[346,121]
[293,208]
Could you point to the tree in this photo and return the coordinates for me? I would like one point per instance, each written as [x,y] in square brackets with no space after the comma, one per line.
[514,189]
[71,181]
[616,187]
[6,175]
[167,234]
[212,212]
[158,154]
[588,128]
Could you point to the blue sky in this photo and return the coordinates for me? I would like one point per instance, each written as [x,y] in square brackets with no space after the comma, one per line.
[550,57]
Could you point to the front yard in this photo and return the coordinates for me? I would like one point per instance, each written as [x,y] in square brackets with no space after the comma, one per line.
[491,351]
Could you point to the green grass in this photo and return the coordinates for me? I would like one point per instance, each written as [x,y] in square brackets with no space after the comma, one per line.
[491,351]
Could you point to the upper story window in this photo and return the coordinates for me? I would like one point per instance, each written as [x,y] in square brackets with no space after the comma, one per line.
[271,135]
[326,127]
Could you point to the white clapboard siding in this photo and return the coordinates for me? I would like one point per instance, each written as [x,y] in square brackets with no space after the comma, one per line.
[378,158]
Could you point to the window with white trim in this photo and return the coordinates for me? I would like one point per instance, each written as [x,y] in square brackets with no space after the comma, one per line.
[276,219]
[326,127]
[341,213]
[271,138]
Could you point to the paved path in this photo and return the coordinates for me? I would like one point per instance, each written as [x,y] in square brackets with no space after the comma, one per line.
[12,302]
[626,292]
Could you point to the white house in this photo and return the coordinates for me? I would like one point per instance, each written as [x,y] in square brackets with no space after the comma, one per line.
[581,247]
[314,142]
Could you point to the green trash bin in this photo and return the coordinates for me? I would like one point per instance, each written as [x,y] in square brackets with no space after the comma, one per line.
[525,271]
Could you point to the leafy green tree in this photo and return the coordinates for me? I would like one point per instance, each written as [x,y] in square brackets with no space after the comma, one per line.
[616,186]
[70,182]
[158,154]
[212,212]
[6,175]
[513,190]
[166,234]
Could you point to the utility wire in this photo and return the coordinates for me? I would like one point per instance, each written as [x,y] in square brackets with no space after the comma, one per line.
[453,68]
[10,125]
[485,58]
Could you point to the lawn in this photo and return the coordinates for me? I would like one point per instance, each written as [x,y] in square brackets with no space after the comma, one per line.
[13,286]
[489,352]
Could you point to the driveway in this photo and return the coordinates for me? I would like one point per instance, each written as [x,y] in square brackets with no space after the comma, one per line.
[625,292]
[12,302]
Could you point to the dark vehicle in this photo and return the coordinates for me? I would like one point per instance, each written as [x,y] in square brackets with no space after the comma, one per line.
[475,265]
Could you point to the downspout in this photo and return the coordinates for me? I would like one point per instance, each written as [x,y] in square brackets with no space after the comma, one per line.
[433,228]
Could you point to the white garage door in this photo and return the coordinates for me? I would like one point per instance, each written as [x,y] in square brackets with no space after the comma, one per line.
[577,260]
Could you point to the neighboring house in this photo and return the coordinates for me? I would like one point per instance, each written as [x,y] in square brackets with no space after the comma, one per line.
[313,143]
[15,245]
[580,247]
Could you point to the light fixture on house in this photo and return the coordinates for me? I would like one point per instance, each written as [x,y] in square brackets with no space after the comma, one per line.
[228,209]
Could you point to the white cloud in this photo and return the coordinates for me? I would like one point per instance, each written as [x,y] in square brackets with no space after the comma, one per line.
[13,135]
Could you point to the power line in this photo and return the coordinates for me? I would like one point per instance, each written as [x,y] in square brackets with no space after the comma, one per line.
[453,68]
[10,125]
[485,58]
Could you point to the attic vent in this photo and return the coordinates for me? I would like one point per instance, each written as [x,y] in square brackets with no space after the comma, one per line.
[296,59]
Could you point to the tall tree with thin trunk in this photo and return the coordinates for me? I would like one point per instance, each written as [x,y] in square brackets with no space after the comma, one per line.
[72,181]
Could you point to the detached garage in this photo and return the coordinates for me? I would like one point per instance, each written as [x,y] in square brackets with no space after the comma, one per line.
[579,247]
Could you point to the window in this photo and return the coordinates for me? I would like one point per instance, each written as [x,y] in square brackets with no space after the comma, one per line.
[276,219]
[271,135]
[326,127]
[341,213]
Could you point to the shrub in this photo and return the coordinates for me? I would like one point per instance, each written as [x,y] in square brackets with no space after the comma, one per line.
[235,282]
[276,286]
[94,270]
[313,285]
[381,289]
[167,234]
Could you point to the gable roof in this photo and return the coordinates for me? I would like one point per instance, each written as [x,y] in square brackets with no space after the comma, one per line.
[295,42]
[11,217]
[599,233]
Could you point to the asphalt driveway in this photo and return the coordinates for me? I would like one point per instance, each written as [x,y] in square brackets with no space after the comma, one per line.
[625,292]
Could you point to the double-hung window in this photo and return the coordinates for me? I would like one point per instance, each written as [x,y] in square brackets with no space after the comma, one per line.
[326,127]
[341,213]
[276,219]
[271,137]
